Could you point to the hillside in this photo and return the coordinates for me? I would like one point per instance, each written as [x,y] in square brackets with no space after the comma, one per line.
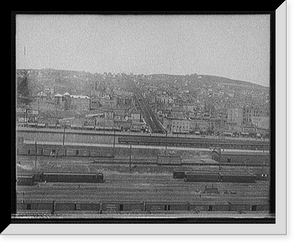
[80,82]
[208,79]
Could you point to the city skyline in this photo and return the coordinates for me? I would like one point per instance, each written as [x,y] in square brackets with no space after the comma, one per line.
[231,46]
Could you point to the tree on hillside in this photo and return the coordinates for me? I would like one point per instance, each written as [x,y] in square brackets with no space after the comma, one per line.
[23,92]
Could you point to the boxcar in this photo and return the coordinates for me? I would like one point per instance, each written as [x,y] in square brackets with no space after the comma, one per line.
[194,142]
[71,152]
[78,152]
[237,178]
[197,176]
[36,206]
[179,173]
[123,206]
[38,177]
[166,206]
[51,151]
[260,207]
[133,206]
[198,207]
[23,206]
[54,151]
[240,207]
[88,206]
[83,152]
[64,206]
[23,151]
[111,206]
[210,206]
[43,206]
[26,180]
[178,206]
[73,177]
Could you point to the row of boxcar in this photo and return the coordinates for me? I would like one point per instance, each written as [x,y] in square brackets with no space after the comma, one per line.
[227,164]
[59,151]
[194,142]
[68,126]
[30,180]
[107,207]
[228,177]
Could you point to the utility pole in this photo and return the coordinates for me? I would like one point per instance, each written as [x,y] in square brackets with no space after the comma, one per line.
[26,119]
[166,141]
[114,144]
[130,157]
[64,133]
[35,161]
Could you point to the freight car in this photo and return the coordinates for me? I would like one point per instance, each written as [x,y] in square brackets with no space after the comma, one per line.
[199,176]
[123,206]
[242,157]
[58,151]
[229,177]
[179,173]
[25,180]
[194,142]
[238,205]
[166,206]
[70,177]
[205,176]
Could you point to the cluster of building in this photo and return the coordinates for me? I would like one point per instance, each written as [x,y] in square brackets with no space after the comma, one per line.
[247,120]
[111,109]
[182,104]
[72,102]
[210,109]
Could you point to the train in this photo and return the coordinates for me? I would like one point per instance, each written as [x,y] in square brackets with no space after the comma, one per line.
[27,180]
[226,177]
[30,180]
[194,142]
[143,206]
[61,151]
[69,126]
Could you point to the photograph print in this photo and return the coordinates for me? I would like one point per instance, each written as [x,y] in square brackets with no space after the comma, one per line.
[154,115]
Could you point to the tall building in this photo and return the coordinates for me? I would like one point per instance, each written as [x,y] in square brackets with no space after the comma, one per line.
[177,125]
[253,111]
[80,102]
[74,102]
[261,122]
[235,116]
[199,125]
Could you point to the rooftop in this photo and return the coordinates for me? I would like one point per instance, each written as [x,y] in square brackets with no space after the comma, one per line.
[80,96]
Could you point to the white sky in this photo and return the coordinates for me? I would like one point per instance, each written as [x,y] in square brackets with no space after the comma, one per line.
[233,46]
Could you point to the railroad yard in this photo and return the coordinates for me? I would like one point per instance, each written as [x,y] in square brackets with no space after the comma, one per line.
[138,176]
[158,123]
[135,183]
[145,184]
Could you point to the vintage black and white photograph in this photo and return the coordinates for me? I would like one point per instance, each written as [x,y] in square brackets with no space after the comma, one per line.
[144,117]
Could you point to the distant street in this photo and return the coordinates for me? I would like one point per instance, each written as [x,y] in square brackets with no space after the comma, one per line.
[148,114]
